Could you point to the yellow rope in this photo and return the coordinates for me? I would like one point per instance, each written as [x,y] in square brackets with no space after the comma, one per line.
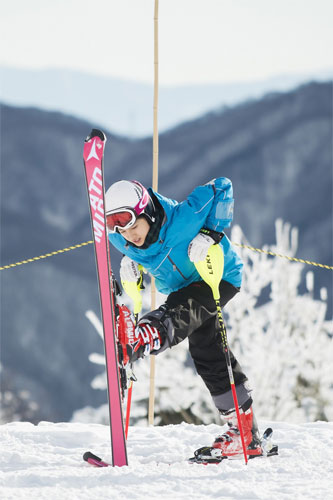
[73,247]
[260,250]
[294,259]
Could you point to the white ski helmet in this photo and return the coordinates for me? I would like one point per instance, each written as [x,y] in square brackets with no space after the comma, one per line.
[124,202]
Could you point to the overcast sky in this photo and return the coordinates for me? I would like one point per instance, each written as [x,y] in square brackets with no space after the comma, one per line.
[200,40]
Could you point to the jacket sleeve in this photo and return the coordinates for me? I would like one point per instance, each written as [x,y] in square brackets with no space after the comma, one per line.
[222,210]
[209,206]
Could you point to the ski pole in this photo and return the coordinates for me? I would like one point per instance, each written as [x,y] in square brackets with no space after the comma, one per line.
[128,407]
[133,290]
[129,402]
[129,392]
[211,271]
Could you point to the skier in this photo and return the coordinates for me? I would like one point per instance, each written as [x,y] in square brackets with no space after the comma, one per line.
[166,238]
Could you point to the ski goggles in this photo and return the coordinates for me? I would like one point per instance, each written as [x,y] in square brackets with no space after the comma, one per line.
[122,218]
[125,217]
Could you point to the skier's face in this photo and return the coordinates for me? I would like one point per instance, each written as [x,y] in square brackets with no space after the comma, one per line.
[137,233]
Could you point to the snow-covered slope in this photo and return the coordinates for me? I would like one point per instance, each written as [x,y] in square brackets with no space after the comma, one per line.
[44,462]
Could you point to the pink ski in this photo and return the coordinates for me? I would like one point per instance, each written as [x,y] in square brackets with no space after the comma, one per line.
[93,162]
[94,460]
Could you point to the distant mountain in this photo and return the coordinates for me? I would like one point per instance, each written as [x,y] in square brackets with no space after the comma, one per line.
[126,107]
[277,151]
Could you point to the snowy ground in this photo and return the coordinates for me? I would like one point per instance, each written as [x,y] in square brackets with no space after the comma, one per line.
[44,462]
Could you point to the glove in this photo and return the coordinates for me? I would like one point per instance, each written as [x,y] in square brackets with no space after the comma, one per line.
[147,339]
[129,270]
[199,246]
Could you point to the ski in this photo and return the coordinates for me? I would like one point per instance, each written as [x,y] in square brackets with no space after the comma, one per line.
[93,154]
[269,449]
[94,460]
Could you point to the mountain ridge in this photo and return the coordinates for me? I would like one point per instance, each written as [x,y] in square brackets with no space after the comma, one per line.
[124,106]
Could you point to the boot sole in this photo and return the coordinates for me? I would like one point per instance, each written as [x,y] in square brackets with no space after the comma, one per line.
[271,453]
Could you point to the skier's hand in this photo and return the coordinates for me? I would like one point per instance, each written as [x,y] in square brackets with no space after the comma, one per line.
[129,270]
[199,246]
[147,339]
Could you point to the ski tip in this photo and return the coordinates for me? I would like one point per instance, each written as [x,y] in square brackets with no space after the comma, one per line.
[96,133]
[94,460]
[88,455]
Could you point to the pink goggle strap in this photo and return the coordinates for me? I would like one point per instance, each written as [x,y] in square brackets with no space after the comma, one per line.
[139,208]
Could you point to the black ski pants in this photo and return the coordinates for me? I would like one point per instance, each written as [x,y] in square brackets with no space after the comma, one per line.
[191,312]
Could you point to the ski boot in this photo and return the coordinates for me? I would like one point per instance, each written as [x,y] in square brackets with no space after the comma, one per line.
[229,444]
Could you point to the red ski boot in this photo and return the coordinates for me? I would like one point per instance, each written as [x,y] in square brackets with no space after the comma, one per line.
[229,444]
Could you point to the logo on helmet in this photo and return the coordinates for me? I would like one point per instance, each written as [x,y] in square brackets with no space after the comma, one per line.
[143,202]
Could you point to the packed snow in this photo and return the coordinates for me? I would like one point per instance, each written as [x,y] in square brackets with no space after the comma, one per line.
[45,462]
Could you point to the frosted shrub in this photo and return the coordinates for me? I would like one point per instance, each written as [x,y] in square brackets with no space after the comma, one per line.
[285,344]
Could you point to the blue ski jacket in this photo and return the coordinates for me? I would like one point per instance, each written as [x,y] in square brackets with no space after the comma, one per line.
[209,206]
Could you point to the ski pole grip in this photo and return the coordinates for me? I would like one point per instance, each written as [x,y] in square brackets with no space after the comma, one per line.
[211,269]
[133,290]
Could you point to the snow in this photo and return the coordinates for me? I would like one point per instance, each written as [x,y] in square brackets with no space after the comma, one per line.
[45,462]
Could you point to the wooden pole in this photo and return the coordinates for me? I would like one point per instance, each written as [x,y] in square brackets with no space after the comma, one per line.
[155,187]
[155,134]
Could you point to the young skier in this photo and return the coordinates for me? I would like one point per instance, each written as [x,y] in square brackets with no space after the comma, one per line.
[166,238]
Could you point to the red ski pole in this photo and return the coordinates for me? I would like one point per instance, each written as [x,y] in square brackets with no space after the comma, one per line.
[130,390]
[128,407]
[134,291]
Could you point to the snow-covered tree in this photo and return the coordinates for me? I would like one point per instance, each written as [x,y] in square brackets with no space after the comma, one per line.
[279,334]
[15,405]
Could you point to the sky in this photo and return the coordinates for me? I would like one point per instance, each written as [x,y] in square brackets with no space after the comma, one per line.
[200,41]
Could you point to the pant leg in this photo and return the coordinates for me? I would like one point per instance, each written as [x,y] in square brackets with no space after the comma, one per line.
[191,312]
[206,349]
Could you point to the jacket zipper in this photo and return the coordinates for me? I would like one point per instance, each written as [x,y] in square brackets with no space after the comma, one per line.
[175,268]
